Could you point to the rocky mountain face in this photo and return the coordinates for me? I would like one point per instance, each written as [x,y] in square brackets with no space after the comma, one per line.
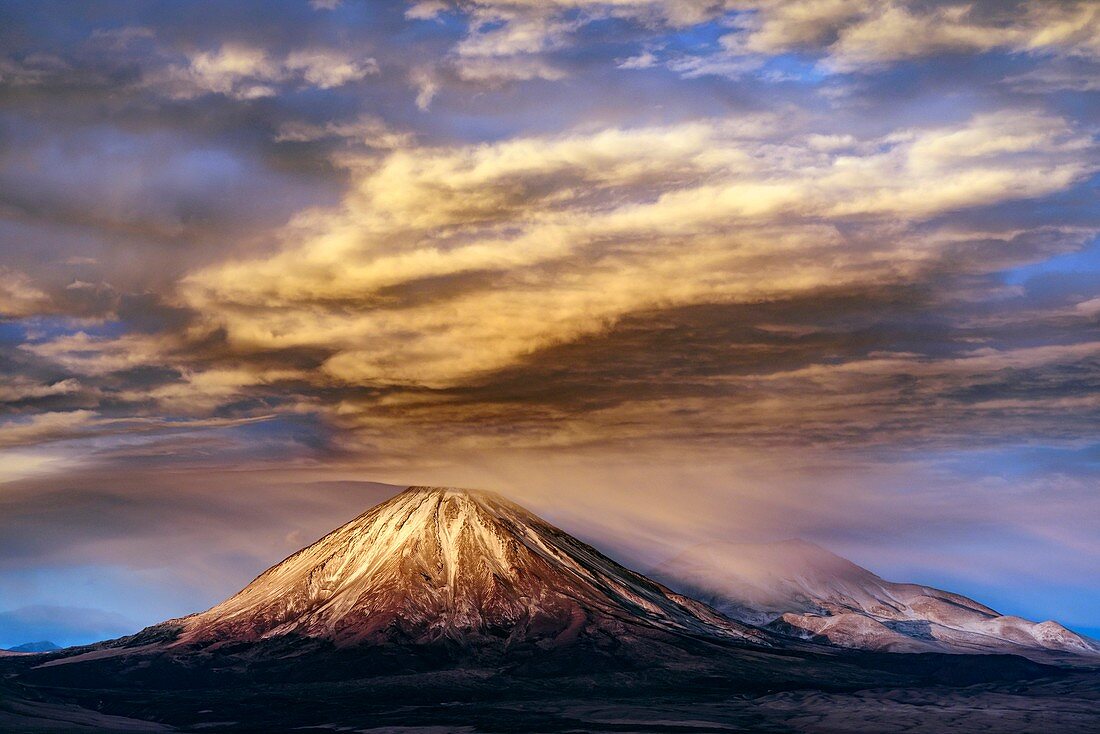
[454,566]
[803,590]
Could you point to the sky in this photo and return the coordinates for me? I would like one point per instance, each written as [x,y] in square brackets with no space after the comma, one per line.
[666,272]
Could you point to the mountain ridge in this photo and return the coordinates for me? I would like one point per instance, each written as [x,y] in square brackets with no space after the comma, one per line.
[803,590]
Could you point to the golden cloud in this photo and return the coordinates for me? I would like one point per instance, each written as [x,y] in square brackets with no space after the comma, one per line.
[547,239]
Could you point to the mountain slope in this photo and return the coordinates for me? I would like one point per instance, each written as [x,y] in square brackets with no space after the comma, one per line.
[802,589]
[438,564]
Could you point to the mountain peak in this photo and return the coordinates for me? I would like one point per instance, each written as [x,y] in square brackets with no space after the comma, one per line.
[449,490]
[481,495]
[454,500]
[441,562]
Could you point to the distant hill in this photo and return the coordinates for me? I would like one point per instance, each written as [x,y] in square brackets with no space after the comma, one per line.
[42,646]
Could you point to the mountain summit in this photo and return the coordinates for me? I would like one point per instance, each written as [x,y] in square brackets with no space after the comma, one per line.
[437,564]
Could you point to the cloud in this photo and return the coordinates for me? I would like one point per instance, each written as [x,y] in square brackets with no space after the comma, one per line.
[645,60]
[425,9]
[514,40]
[246,72]
[120,38]
[18,388]
[897,33]
[92,355]
[38,429]
[237,70]
[853,36]
[427,86]
[581,230]
[469,247]
[31,70]
[498,69]
[131,204]
[844,35]
[366,130]
[19,296]
[1054,77]
[326,69]
[1089,308]
[511,39]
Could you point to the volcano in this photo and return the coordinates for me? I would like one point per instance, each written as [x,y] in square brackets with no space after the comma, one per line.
[464,568]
